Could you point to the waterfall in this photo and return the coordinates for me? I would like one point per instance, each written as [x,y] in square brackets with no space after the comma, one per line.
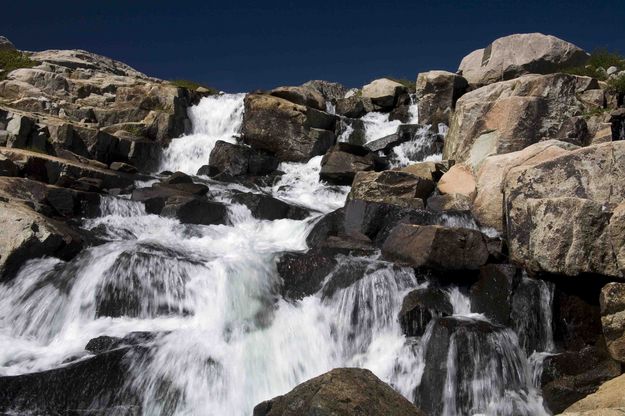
[224,338]
[215,118]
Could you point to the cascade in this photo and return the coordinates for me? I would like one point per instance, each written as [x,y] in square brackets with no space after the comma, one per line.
[224,339]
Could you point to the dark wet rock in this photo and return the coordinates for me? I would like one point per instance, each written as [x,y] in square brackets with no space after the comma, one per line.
[351,130]
[136,286]
[123,167]
[177,178]
[304,273]
[436,247]
[449,202]
[154,198]
[492,293]
[376,220]
[328,225]
[349,244]
[420,306]
[340,164]
[472,348]
[105,343]
[617,120]
[267,207]
[7,167]
[430,142]
[236,160]
[572,375]
[97,385]
[193,210]
[340,392]
[198,189]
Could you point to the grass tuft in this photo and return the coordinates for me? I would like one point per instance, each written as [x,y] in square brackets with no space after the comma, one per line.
[192,85]
[11,59]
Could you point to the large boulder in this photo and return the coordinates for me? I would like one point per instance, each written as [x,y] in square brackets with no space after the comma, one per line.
[303,273]
[291,131]
[53,170]
[331,91]
[437,93]
[306,96]
[236,160]
[436,247]
[613,319]
[354,107]
[96,385]
[340,392]
[27,234]
[508,116]
[420,306]
[391,187]
[488,204]
[608,400]
[343,161]
[519,54]
[492,294]
[267,207]
[562,215]
[384,93]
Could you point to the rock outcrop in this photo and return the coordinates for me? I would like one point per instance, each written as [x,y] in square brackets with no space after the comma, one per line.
[341,163]
[509,116]
[563,207]
[340,392]
[436,247]
[384,93]
[515,55]
[437,93]
[292,132]
[391,187]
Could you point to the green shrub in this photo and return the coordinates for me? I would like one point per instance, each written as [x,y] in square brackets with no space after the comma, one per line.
[617,85]
[11,59]
[411,85]
[599,58]
[192,85]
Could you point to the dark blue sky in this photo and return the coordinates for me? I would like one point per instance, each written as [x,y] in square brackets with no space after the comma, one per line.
[244,45]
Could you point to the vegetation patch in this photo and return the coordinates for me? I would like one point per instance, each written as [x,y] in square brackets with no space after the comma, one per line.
[192,85]
[411,85]
[11,59]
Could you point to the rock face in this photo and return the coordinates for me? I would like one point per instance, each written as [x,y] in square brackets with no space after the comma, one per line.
[437,93]
[93,92]
[612,302]
[391,187]
[436,247]
[562,207]
[291,131]
[97,384]
[515,55]
[27,234]
[488,204]
[340,164]
[509,116]
[607,401]
[331,91]
[384,93]
[340,392]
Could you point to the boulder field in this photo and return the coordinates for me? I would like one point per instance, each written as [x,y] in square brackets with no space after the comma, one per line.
[522,194]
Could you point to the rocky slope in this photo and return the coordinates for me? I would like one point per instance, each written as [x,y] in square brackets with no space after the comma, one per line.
[526,200]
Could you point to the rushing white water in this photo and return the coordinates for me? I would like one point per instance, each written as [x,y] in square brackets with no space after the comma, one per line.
[227,340]
[377,125]
[215,118]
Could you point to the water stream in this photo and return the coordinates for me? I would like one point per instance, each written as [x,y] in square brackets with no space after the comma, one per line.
[226,339]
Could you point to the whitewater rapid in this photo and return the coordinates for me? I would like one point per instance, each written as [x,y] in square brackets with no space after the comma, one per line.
[226,338]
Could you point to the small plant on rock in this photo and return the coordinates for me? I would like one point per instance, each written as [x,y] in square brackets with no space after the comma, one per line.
[11,59]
